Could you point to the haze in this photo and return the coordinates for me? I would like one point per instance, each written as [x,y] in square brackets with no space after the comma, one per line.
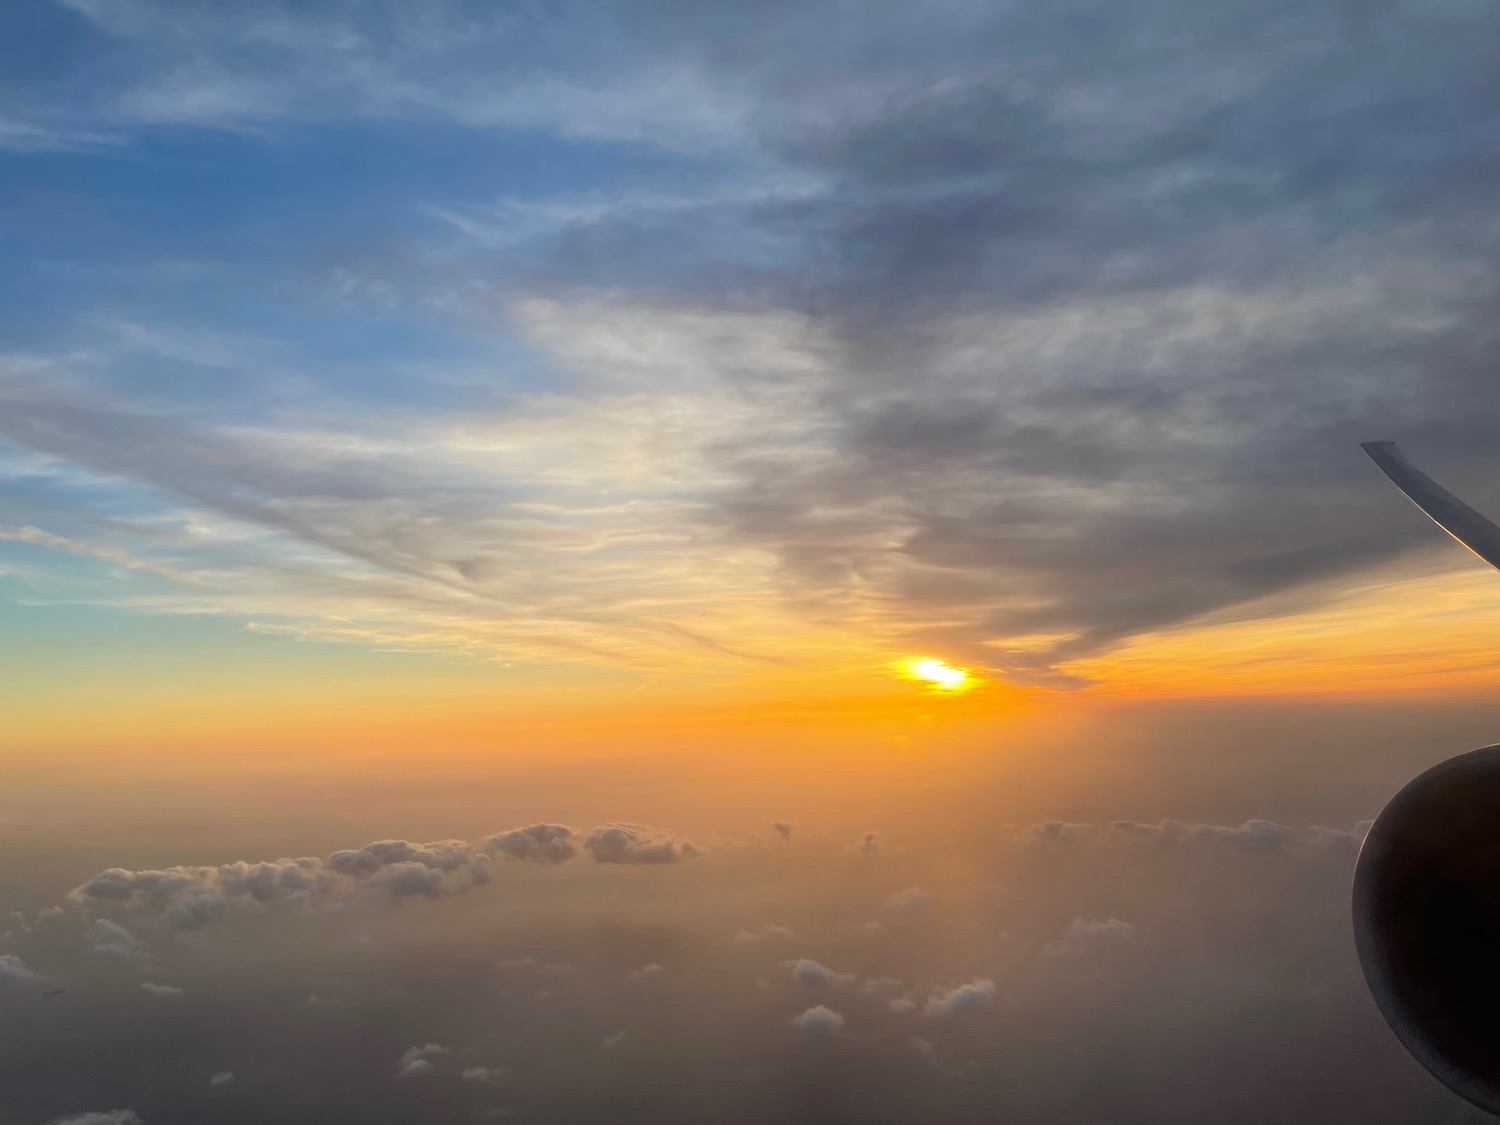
[716,562]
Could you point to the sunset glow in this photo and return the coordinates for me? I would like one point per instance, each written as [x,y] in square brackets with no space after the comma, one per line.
[729,562]
[940,675]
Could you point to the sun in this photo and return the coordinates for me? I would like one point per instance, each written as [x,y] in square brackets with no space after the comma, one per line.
[942,676]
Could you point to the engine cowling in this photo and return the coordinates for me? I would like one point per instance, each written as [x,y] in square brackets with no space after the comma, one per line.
[1427,921]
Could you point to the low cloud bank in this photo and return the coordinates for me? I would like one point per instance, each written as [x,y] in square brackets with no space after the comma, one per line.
[190,897]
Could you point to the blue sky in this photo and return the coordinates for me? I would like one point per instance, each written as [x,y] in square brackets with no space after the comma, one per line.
[560,431]
[605,332]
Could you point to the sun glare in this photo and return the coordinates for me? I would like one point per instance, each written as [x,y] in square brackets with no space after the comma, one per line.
[942,676]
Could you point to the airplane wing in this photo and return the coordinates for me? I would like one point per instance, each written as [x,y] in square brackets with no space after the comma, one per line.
[1474,531]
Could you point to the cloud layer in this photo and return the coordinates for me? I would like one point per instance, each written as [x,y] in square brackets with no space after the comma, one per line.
[930,344]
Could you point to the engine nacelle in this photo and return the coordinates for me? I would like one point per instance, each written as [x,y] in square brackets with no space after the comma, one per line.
[1427,921]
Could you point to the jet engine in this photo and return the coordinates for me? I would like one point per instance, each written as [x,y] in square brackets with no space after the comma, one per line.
[1427,884]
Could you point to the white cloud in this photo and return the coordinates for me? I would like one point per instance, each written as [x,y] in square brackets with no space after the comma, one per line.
[877,986]
[190,897]
[21,136]
[14,971]
[222,1078]
[1084,933]
[634,843]
[102,1117]
[539,843]
[166,991]
[819,1019]
[419,1060]
[913,898]
[810,973]
[484,1074]
[1253,835]
[112,940]
[974,994]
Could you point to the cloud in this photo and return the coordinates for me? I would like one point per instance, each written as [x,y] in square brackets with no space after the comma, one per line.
[269,881]
[441,855]
[1256,835]
[610,1042]
[770,930]
[651,970]
[221,1078]
[13,971]
[483,1074]
[819,1020]
[976,993]
[811,974]
[634,843]
[876,986]
[868,844]
[101,1117]
[407,879]
[417,1061]
[1339,839]
[1253,835]
[1057,831]
[166,991]
[112,940]
[539,843]
[913,898]
[190,897]
[783,828]
[992,393]
[1083,934]
[37,537]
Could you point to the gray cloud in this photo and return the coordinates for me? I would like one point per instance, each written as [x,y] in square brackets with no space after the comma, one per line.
[13,971]
[976,993]
[1103,334]
[1084,347]
[1057,831]
[420,1060]
[634,843]
[1255,835]
[102,1117]
[1233,962]
[811,974]
[539,843]
[820,1020]
[190,897]
[1083,934]
[112,940]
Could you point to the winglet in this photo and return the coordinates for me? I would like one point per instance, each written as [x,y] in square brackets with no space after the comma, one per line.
[1473,530]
